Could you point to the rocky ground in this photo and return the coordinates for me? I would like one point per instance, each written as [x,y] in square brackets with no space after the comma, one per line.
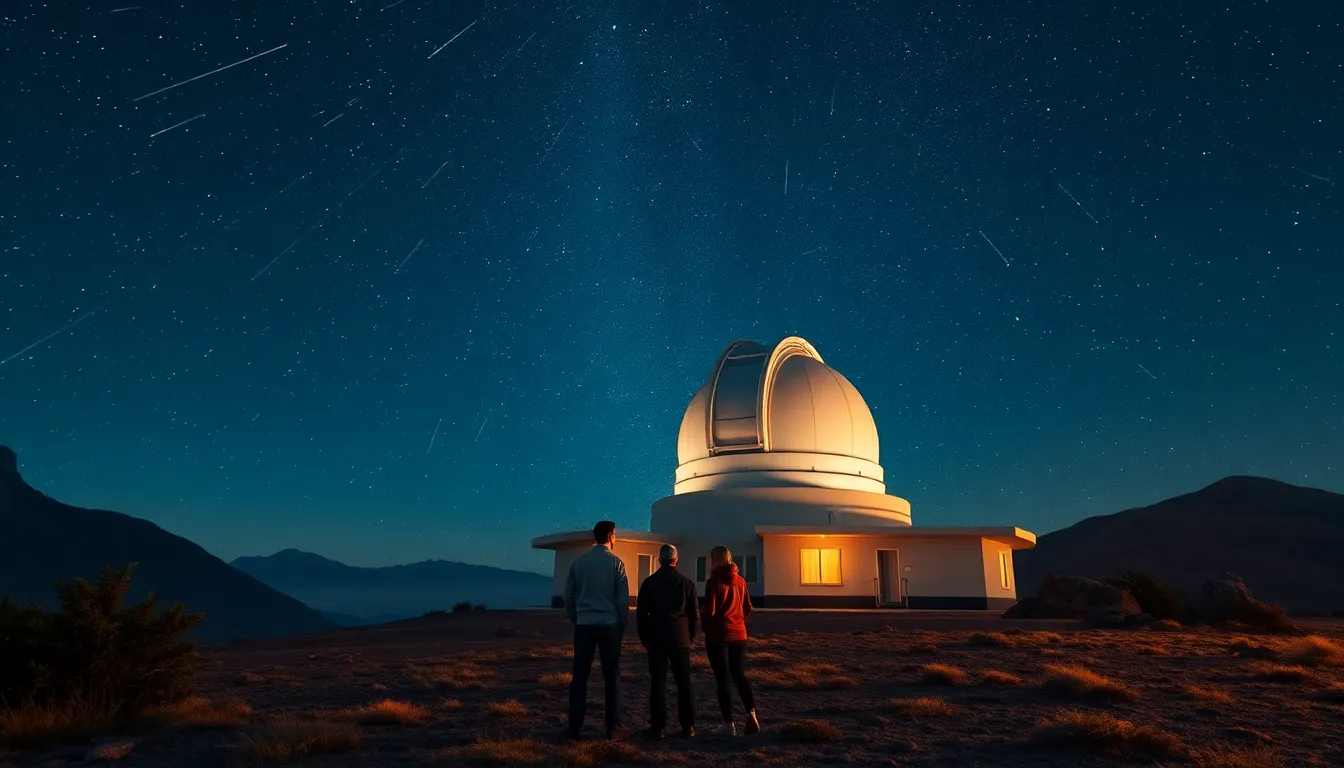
[856,688]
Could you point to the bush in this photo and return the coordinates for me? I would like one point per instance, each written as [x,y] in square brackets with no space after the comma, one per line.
[1155,597]
[463,607]
[95,650]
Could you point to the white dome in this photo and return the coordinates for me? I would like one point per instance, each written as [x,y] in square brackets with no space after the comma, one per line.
[781,400]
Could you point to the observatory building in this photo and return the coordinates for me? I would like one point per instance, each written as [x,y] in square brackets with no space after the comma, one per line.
[777,460]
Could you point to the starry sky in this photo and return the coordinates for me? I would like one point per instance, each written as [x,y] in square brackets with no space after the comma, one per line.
[389,281]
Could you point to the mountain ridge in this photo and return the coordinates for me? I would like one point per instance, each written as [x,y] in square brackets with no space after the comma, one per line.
[295,568]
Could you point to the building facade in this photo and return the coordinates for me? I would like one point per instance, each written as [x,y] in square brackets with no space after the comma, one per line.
[778,461]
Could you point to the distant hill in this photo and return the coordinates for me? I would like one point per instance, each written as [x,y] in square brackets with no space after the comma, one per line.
[43,540]
[1286,541]
[397,591]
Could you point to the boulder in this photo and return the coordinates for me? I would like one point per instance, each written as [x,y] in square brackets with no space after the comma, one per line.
[1227,600]
[1074,597]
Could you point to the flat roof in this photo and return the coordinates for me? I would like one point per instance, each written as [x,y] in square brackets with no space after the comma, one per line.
[1011,535]
[586,537]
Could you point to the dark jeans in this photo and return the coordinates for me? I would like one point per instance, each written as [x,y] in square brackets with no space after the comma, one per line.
[726,661]
[680,661]
[605,639]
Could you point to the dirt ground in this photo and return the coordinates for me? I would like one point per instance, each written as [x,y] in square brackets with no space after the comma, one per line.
[832,688]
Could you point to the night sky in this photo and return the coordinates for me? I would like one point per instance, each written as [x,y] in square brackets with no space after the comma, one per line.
[434,278]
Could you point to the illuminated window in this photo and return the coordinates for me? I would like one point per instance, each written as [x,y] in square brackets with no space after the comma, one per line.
[700,565]
[1005,571]
[645,567]
[820,567]
[749,573]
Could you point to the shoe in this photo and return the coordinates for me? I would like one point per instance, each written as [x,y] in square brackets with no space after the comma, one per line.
[617,733]
[753,726]
[653,733]
[688,733]
[725,729]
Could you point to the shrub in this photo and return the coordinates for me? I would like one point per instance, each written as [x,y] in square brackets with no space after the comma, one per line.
[1207,695]
[1155,597]
[387,712]
[925,706]
[1104,733]
[811,732]
[990,638]
[997,677]
[1078,683]
[287,737]
[510,709]
[941,674]
[1314,651]
[463,607]
[95,651]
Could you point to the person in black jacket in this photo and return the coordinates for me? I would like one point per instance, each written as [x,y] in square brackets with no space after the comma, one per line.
[666,614]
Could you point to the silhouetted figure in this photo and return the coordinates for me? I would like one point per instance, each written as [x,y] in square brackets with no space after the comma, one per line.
[666,615]
[727,606]
[597,600]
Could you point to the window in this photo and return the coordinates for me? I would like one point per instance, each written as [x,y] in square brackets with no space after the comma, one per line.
[1005,571]
[749,569]
[820,567]
[645,567]
[700,569]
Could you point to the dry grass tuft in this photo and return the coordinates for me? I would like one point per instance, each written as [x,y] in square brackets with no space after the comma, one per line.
[767,658]
[1075,682]
[1225,756]
[991,639]
[387,712]
[804,677]
[113,750]
[810,732]
[998,677]
[199,712]
[28,726]
[452,705]
[546,654]
[286,738]
[1165,625]
[941,674]
[1282,673]
[459,678]
[1208,695]
[510,709]
[1153,650]
[925,706]
[555,680]
[1314,651]
[924,648]
[1103,733]
[505,753]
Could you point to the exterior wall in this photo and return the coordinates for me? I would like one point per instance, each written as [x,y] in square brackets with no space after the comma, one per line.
[627,551]
[993,581]
[943,572]
[733,514]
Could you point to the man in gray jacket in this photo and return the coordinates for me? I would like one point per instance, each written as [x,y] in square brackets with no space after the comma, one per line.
[597,600]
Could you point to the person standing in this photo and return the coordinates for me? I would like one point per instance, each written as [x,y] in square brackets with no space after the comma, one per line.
[597,601]
[666,615]
[727,606]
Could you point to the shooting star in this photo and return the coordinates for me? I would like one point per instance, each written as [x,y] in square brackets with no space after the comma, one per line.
[832,101]
[1314,176]
[996,249]
[553,141]
[693,141]
[334,119]
[408,256]
[450,42]
[786,177]
[436,173]
[127,8]
[207,74]
[179,125]
[1145,370]
[394,5]
[433,437]
[55,333]
[482,429]
[1075,202]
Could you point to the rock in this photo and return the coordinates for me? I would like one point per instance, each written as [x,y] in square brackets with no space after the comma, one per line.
[1227,599]
[1074,597]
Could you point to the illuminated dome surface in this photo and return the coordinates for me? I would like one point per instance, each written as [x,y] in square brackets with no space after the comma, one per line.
[777,415]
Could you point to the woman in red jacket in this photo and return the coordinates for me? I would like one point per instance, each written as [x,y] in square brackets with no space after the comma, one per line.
[727,606]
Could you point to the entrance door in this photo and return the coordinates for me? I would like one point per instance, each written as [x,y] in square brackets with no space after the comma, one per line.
[889,577]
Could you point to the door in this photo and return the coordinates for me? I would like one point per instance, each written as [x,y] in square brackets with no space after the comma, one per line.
[889,577]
